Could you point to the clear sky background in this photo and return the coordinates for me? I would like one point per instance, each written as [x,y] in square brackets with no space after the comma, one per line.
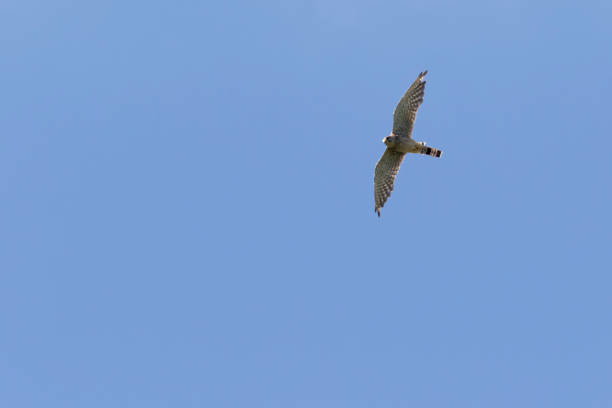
[186,210]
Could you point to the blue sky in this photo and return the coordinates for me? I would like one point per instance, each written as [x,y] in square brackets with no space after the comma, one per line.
[186,213]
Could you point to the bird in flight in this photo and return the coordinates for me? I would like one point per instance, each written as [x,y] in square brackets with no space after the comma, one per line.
[399,142]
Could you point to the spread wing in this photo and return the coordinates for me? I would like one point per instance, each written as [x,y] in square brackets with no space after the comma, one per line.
[384,176]
[406,109]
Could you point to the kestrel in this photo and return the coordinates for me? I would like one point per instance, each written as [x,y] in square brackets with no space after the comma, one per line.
[399,142]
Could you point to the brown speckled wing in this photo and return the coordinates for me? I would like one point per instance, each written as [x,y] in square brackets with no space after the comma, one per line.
[406,110]
[384,176]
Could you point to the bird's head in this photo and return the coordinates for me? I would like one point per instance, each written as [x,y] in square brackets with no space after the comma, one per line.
[389,140]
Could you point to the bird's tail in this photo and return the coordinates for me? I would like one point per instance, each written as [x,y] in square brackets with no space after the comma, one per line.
[430,151]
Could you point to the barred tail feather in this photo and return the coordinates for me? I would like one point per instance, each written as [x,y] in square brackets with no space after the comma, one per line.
[430,151]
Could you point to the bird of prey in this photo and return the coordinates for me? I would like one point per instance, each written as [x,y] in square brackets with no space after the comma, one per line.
[399,142]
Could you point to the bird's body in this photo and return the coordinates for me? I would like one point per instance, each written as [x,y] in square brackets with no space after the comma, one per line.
[400,142]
